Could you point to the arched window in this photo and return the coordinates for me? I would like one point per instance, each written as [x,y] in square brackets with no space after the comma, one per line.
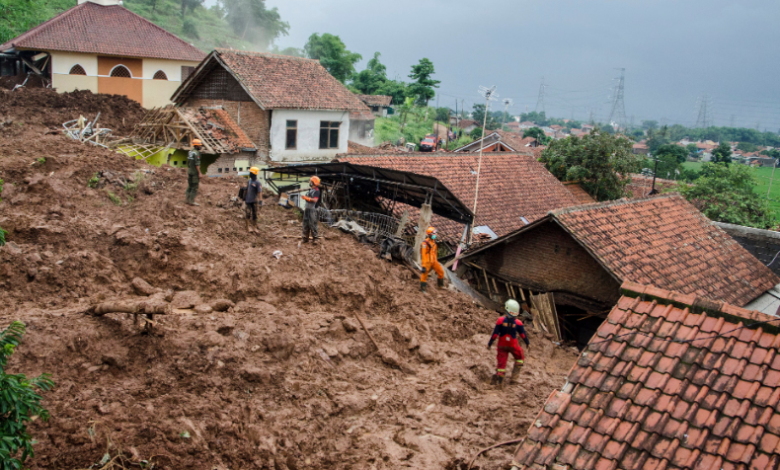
[77,70]
[121,71]
[160,75]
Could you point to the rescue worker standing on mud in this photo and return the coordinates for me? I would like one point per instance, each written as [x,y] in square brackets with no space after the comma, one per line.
[193,172]
[252,198]
[429,257]
[508,328]
[310,212]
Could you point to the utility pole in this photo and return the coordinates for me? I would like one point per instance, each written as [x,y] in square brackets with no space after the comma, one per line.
[618,112]
[507,104]
[540,99]
[489,94]
[770,179]
[655,171]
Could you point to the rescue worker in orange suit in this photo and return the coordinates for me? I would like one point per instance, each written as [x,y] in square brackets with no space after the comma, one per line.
[508,328]
[310,212]
[429,258]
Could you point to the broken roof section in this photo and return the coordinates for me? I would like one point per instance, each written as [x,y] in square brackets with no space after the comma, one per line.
[276,81]
[114,30]
[371,181]
[177,127]
[670,382]
[511,186]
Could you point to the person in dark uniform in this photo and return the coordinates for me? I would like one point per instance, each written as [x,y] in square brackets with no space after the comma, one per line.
[252,199]
[310,212]
[193,172]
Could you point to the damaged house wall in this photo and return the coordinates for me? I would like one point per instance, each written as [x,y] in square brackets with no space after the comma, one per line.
[548,259]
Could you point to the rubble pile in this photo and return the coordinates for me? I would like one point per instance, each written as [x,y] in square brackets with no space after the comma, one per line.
[275,355]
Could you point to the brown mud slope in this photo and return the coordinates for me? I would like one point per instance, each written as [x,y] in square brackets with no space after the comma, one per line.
[285,378]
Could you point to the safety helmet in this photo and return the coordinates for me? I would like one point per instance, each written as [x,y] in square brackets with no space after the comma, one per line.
[254,170]
[315,180]
[197,143]
[512,306]
[431,230]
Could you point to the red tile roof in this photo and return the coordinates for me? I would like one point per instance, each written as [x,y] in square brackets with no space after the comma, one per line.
[666,241]
[579,193]
[376,100]
[238,136]
[510,185]
[108,30]
[668,382]
[467,122]
[278,81]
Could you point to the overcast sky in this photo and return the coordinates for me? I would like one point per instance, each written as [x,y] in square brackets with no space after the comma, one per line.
[674,51]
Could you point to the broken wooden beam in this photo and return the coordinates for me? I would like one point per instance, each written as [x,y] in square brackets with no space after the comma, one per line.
[132,306]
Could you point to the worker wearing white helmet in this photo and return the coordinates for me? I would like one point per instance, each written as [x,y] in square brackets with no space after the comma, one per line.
[508,328]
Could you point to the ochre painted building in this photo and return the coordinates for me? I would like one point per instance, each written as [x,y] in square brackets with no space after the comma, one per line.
[101,46]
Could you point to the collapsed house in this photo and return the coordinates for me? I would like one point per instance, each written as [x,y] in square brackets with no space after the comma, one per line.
[514,190]
[290,108]
[101,46]
[578,257]
[669,381]
[379,104]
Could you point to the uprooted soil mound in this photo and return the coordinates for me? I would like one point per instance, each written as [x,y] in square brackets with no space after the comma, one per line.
[263,364]
[45,107]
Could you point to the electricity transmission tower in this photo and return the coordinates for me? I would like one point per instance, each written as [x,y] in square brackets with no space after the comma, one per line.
[540,100]
[704,120]
[618,112]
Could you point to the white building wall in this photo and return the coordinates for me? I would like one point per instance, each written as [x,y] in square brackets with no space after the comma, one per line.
[62,62]
[308,148]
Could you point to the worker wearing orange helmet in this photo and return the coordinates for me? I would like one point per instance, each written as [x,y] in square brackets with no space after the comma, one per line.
[252,197]
[429,257]
[193,172]
[310,212]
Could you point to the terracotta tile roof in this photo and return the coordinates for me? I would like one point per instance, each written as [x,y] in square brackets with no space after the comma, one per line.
[467,122]
[667,242]
[510,186]
[278,81]
[667,382]
[641,185]
[579,193]
[513,125]
[109,30]
[376,100]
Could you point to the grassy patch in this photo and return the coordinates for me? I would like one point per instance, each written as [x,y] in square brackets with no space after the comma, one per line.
[114,198]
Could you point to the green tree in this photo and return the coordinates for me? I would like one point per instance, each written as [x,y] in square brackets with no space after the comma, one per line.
[371,79]
[405,108]
[18,16]
[443,115]
[395,88]
[254,22]
[599,160]
[540,119]
[722,154]
[538,134]
[291,51]
[649,125]
[726,194]
[333,55]
[679,153]
[478,114]
[693,151]
[19,403]
[747,147]
[476,133]
[422,86]
[656,139]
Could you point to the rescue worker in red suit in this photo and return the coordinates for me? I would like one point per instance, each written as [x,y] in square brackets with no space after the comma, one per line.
[429,257]
[507,329]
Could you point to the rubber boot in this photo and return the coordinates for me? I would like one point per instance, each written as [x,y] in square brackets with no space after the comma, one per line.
[501,382]
[247,225]
[423,287]
[494,379]
[440,283]
[515,372]
[254,228]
